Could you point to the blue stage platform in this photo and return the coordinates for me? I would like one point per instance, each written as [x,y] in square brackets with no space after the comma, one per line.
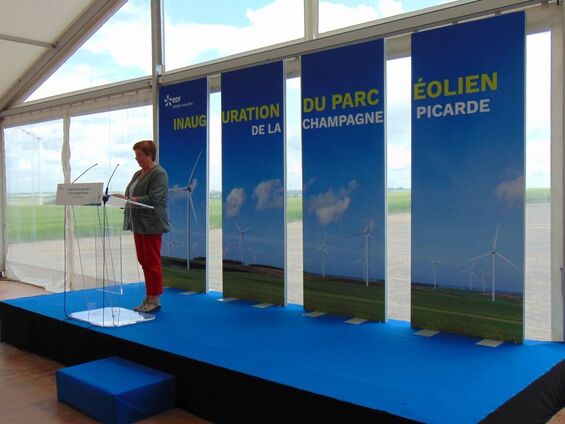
[383,368]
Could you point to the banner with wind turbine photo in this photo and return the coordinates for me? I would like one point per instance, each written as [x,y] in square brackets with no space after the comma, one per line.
[468,140]
[343,165]
[183,152]
[253,183]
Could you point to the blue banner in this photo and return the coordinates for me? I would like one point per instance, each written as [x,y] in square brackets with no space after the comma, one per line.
[253,183]
[343,156]
[468,120]
[183,134]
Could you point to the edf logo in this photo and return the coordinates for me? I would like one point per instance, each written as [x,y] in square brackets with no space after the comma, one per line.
[169,101]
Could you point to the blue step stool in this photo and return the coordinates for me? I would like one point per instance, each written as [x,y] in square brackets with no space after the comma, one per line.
[114,390]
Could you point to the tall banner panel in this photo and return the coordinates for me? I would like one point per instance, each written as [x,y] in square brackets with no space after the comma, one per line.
[253,183]
[468,139]
[183,134]
[343,165]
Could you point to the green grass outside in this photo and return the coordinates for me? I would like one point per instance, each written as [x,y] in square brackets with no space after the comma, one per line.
[28,221]
[399,201]
[538,195]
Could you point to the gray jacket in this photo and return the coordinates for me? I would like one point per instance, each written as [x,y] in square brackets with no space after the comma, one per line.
[151,190]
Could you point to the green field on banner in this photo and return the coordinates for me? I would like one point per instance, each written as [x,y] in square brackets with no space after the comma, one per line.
[467,312]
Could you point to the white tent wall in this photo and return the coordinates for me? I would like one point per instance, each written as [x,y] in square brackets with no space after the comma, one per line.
[541,16]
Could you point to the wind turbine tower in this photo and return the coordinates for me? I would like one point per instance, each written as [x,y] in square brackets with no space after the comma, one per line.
[189,188]
[493,253]
[325,254]
[241,236]
[434,270]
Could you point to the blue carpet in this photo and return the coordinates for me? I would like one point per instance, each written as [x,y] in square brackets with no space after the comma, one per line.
[387,367]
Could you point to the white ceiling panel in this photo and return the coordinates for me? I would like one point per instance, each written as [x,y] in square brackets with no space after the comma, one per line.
[16,58]
[45,23]
[42,20]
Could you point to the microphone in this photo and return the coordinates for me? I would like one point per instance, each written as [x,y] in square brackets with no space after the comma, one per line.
[87,169]
[106,195]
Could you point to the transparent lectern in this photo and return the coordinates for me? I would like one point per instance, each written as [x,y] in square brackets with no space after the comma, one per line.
[100,258]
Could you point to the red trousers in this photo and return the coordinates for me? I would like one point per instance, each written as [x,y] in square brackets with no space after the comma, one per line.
[148,249]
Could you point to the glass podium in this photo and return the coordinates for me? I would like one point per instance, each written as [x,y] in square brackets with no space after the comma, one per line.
[94,257]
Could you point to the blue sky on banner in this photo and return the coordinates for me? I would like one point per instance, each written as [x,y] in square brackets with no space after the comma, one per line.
[344,199]
[253,164]
[109,57]
[183,152]
[468,170]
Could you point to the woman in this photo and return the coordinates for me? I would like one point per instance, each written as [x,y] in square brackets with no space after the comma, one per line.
[148,186]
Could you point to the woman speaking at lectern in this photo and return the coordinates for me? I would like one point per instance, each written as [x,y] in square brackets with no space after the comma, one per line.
[149,186]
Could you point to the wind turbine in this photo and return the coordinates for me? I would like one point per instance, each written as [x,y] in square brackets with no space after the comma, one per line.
[241,235]
[471,276]
[367,234]
[434,270]
[189,188]
[478,268]
[254,253]
[324,254]
[494,254]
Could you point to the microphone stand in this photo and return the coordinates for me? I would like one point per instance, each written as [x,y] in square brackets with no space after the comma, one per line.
[104,229]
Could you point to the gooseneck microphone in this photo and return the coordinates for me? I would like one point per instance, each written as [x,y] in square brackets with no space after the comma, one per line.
[106,195]
[87,169]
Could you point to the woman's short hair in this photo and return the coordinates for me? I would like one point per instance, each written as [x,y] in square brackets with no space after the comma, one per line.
[148,147]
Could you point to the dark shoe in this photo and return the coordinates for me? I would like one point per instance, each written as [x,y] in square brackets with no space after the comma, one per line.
[139,308]
[151,307]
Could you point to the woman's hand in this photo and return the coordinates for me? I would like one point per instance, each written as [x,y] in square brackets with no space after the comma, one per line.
[120,196]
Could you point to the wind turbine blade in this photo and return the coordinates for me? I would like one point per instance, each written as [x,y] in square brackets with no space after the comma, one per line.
[238,227]
[192,207]
[177,189]
[506,259]
[243,231]
[495,238]
[479,257]
[194,168]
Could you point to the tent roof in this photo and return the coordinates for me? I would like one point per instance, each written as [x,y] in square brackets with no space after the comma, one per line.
[36,37]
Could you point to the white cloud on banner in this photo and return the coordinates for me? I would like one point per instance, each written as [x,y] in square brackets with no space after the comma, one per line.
[269,194]
[511,191]
[331,206]
[234,202]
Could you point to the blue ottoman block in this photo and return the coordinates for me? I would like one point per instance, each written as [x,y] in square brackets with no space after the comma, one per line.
[114,390]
